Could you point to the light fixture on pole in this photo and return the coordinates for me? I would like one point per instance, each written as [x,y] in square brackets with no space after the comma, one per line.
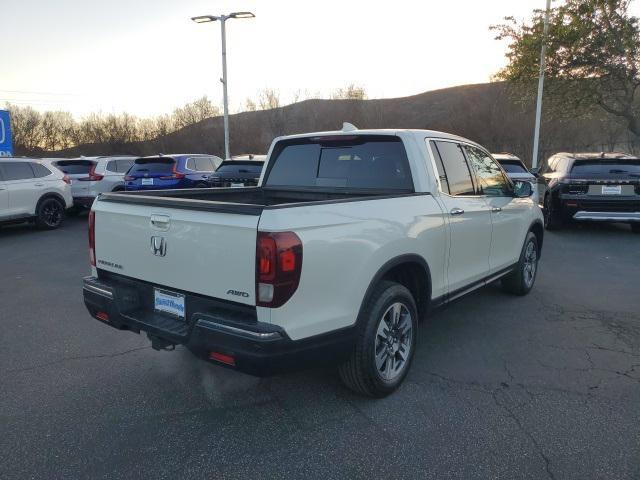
[543,63]
[222,19]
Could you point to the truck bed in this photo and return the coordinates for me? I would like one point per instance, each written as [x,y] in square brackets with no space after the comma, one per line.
[246,201]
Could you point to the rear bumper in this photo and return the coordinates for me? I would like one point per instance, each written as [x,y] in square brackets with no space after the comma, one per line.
[256,348]
[601,208]
[583,215]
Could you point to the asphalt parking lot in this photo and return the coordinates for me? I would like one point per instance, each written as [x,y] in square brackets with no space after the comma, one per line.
[545,386]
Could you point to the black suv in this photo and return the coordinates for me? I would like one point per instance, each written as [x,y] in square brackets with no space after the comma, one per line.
[592,187]
[237,173]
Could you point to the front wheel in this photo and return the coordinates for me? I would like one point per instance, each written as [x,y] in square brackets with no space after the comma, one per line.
[49,214]
[521,280]
[385,342]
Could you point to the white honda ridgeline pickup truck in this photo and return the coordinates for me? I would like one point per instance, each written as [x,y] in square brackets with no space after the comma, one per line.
[348,240]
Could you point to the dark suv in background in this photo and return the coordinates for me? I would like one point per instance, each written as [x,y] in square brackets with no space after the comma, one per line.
[601,187]
[238,172]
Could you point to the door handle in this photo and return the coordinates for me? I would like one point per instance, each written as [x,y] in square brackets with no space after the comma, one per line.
[496,209]
[456,211]
[39,184]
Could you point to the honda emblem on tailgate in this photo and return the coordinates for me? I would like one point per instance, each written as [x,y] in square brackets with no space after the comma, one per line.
[158,246]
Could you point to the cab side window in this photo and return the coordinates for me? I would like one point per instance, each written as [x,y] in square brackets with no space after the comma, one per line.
[491,180]
[455,169]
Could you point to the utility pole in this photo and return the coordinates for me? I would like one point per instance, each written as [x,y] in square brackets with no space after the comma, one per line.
[543,63]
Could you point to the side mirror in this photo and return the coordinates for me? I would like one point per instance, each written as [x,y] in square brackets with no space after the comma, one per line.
[522,189]
[535,171]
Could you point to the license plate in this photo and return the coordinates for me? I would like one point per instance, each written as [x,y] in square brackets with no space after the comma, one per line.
[612,190]
[169,302]
[147,181]
[236,185]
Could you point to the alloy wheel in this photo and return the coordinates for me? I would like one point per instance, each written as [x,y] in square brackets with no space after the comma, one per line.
[530,264]
[393,341]
[52,213]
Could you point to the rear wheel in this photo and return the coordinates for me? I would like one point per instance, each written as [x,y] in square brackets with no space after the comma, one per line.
[521,280]
[552,215]
[49,213]
[385,342]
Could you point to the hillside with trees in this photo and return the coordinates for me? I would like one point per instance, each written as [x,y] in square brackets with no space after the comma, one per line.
[487,113]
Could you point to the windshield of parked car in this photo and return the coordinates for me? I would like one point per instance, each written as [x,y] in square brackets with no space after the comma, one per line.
[356,161]
[248,167]
[604,167]
[156,165]
[513,166]
[74,167]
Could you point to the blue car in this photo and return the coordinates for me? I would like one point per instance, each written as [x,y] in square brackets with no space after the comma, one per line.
[171,171]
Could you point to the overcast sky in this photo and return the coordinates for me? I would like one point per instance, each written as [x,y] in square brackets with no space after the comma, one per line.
[146,56]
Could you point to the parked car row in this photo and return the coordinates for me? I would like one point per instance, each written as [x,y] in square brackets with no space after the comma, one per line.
[601,187]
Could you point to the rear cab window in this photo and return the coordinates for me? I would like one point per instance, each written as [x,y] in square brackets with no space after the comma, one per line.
[377,162]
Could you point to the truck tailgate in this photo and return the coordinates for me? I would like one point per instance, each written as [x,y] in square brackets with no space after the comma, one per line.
[208,253]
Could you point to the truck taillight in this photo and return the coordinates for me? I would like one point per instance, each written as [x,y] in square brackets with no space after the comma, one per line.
[66,179]
[92,238]
[278,267]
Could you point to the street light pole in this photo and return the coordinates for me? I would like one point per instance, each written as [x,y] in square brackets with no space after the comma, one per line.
[543,63]
[223,19]
[225,100]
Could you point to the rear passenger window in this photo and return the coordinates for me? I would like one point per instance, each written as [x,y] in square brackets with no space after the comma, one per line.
[16,170]
[123,166]
[456,168]
[40,171]
[204,164]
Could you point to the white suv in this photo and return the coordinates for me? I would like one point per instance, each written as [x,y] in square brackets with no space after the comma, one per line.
[32,190]
[91,176]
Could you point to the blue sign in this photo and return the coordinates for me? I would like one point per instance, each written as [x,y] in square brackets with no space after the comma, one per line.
[6,146]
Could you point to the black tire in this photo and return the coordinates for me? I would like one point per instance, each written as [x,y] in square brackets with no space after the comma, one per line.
[522,279]
[201,185]
[635,227]
[552,216]
[118,189]
[49,213]
[360,372]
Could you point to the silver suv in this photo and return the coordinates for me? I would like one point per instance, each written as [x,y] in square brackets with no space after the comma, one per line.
[91,176]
